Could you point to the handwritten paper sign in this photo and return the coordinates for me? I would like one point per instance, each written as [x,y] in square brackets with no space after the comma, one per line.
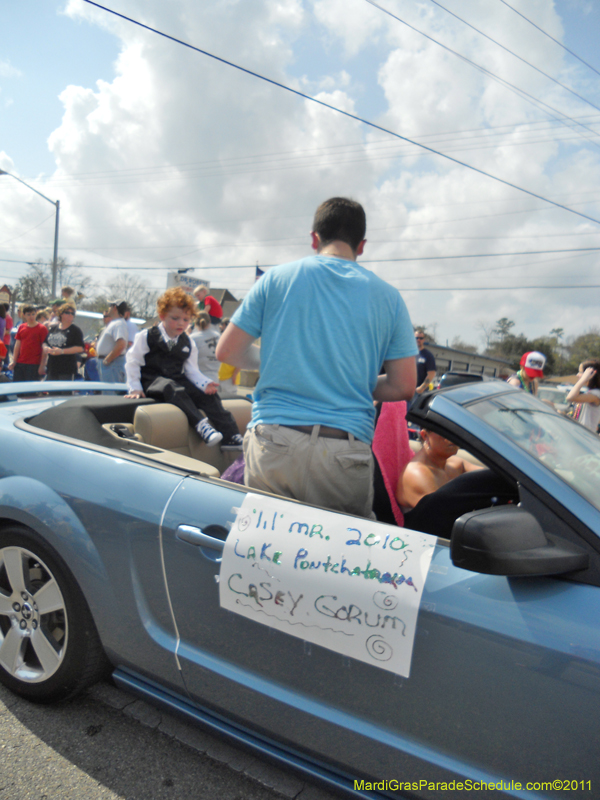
[347,584]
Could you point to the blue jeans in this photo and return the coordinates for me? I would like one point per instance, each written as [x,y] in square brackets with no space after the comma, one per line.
[113,372]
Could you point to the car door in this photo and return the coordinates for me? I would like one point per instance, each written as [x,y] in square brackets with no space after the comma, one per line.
[504,684]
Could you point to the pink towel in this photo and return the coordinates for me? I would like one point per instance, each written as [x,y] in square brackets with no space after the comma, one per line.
[392,450]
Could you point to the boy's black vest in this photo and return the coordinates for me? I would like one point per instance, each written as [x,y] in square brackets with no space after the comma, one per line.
[161,362]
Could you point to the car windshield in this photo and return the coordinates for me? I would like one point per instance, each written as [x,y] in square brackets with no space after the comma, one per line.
[570,450]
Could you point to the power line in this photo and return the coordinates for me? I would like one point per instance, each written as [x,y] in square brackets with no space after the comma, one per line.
[497,288]
[487,72]
[392,281]
[288,241]
[529,64]
[451,220]
[445,289]
[331,151]
[300,241]
[541,30]
[530,265]
[362,261]
[479,255]
[219,169]
[29,262]
[339,110]
[6,241]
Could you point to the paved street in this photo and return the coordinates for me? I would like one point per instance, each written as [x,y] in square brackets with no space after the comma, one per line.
[107,745]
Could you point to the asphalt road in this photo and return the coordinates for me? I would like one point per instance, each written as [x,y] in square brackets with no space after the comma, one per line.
[106,745]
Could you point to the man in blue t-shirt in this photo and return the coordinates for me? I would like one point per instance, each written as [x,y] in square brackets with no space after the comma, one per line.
[326,325]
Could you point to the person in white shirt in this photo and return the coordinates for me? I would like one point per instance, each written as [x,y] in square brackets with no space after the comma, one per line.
[112,345]
[132,328]
[163,363]
[205,338]
[588,410]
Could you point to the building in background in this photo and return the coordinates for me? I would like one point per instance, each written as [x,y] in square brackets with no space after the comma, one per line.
[448,359]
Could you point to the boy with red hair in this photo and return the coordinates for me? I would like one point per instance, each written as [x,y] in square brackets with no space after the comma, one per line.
[163,363]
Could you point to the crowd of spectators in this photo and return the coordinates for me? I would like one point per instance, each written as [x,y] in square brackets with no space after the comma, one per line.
[42,343]
[45,343]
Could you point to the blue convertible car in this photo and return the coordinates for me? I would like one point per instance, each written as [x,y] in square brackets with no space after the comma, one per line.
[113,520]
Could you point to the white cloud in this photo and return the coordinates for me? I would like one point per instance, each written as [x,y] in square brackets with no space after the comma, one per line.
[354,22]
[8,71]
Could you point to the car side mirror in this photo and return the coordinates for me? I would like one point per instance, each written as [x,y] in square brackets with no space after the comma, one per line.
[507,540]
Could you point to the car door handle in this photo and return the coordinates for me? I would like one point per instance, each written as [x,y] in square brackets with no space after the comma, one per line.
[210,546]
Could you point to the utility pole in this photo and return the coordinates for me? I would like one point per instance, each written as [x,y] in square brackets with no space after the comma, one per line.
[57,207]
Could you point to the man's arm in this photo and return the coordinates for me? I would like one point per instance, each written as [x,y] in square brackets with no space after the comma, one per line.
[399,382]
[15,354]
[428,379]
[235,347]
[71,350]
[460,465]
[575,394]
[118,350]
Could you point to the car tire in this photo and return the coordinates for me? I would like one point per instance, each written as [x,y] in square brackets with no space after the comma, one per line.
[49,646]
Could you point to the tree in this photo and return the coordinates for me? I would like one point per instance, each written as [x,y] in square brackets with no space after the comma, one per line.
[140,298]
[510,348]
[429,336]
[558,350]
[503,327]
[458,344]
[36,285]
[582,348]
[486,332]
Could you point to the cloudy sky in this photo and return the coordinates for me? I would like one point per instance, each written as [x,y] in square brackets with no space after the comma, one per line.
[164,158]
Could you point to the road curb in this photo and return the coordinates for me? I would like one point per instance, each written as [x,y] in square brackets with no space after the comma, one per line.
[204,743]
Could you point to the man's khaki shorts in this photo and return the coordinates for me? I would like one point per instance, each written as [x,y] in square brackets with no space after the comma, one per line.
[332,473]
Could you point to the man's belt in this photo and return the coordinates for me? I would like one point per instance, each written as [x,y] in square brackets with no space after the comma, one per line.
[324,430]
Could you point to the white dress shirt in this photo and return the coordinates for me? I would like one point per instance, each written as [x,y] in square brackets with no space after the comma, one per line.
[136,358]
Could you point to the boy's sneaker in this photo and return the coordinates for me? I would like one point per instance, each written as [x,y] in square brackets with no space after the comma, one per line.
[208,434]
[234,443]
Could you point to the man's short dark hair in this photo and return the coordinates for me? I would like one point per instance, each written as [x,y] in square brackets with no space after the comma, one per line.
[342,219]
[120,305]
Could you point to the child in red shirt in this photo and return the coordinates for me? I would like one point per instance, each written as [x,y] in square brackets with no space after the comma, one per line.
[27,355]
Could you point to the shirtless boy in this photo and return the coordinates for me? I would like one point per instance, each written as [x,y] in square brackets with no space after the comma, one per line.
[432,467]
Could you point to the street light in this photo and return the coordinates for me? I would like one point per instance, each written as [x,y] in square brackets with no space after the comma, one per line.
[57,206]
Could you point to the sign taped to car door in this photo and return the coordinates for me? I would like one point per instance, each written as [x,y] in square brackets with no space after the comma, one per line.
[348,584]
